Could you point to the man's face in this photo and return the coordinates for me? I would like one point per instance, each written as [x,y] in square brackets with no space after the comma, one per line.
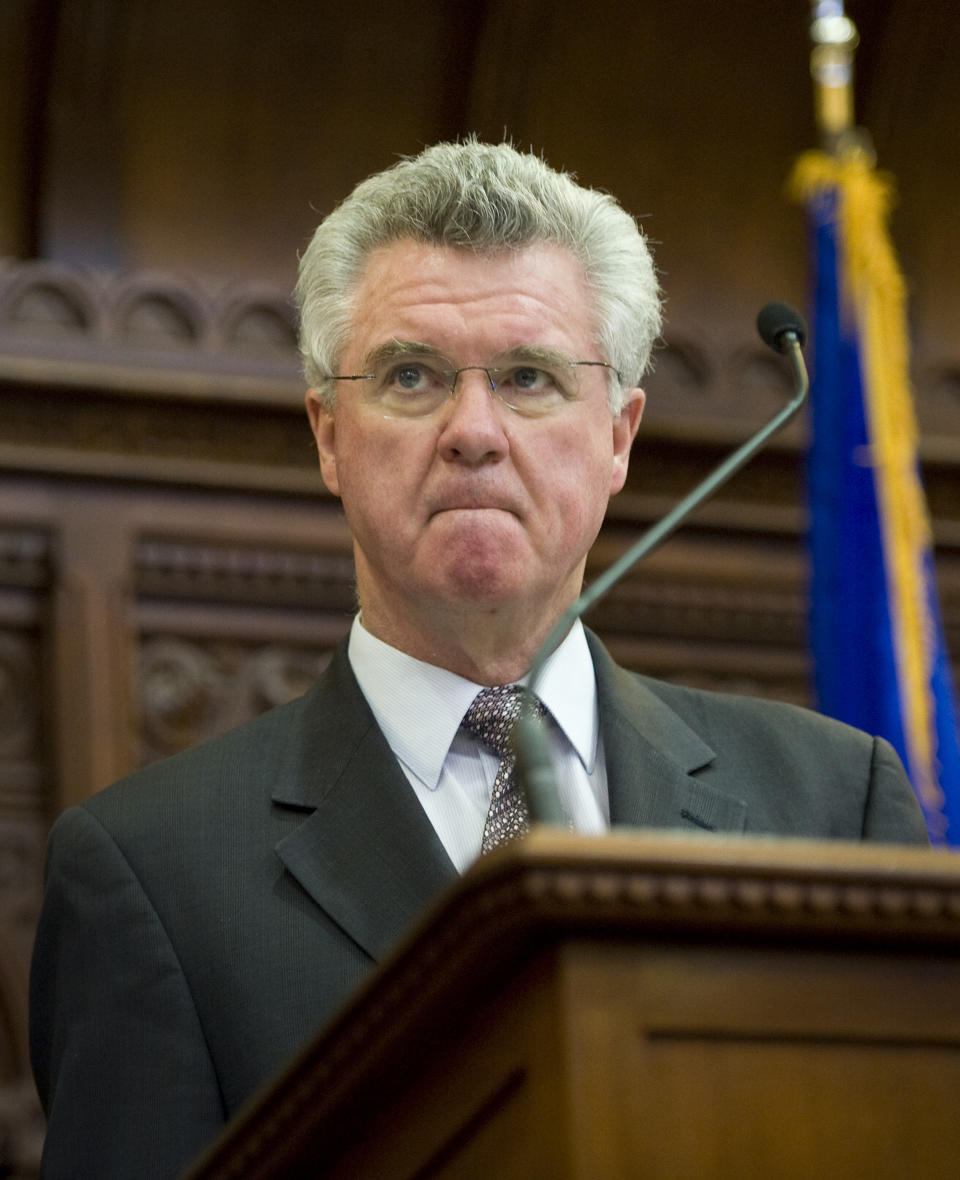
[472,506]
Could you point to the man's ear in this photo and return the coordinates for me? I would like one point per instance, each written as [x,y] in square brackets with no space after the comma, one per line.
[625,427]
[323,427]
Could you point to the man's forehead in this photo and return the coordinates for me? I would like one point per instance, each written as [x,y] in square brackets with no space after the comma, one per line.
[408,288]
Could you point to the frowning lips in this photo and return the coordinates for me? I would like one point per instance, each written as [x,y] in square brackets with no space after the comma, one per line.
[474,501]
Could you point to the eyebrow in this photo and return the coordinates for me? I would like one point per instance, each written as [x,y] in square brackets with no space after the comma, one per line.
[398,350]
[533,354]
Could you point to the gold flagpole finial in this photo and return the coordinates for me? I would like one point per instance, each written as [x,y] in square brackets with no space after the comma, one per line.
[835,39]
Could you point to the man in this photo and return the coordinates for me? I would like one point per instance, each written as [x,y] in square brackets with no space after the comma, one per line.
[475,330]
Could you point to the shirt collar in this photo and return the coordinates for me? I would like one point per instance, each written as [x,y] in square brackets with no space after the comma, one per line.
[419,706]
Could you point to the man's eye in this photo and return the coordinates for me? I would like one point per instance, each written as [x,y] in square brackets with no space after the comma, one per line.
[528,378]
[407,376]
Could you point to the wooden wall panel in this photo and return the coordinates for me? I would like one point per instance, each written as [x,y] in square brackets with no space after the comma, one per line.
[205,136]
[26,27]
[26,778]
[689,113]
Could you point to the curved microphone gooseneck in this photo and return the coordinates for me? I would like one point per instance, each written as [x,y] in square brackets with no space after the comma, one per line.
[784,330]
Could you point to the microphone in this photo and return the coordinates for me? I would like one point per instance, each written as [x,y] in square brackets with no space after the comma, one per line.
[782,329]
[779,324]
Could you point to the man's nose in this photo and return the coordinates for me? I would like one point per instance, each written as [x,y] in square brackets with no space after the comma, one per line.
[473,431]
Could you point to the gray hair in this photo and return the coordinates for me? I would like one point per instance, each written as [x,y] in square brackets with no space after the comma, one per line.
[484,198]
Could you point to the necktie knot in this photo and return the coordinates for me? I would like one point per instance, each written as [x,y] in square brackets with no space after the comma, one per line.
[493,715]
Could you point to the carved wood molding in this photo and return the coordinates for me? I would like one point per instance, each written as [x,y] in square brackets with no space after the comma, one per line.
[179,568]
[24,557]
[140,330]
[151,377]
[19,695]
[192,690]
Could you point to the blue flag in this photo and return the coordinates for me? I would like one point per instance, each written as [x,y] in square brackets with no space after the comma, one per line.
[877,641]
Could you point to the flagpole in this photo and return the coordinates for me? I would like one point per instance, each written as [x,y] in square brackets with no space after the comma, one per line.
[834,39]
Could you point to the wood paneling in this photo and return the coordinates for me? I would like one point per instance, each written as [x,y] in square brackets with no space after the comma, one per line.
[26,59]
[26,778]
[206,136]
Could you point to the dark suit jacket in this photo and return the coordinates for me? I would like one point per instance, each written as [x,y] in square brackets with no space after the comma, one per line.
[206,915]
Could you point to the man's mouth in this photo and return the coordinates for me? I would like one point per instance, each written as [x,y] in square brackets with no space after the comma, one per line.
[474,505]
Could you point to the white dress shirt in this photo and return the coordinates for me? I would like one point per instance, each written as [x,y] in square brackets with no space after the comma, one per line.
[419,708]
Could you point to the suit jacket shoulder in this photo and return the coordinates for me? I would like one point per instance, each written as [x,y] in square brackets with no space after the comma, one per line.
[682,757]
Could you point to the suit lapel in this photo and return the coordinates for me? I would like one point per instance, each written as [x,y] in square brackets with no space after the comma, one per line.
[652,757]
[366,851]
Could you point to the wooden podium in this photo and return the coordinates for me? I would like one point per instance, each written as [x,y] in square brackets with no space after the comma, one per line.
[642,1006]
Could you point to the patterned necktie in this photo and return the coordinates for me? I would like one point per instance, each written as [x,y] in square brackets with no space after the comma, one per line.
[491,719]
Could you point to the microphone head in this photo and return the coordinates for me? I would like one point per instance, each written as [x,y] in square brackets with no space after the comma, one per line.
[777,321]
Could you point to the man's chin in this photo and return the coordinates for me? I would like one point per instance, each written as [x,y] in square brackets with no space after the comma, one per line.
[482,584]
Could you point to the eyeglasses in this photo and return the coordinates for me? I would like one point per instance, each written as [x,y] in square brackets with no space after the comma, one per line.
[415,386]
